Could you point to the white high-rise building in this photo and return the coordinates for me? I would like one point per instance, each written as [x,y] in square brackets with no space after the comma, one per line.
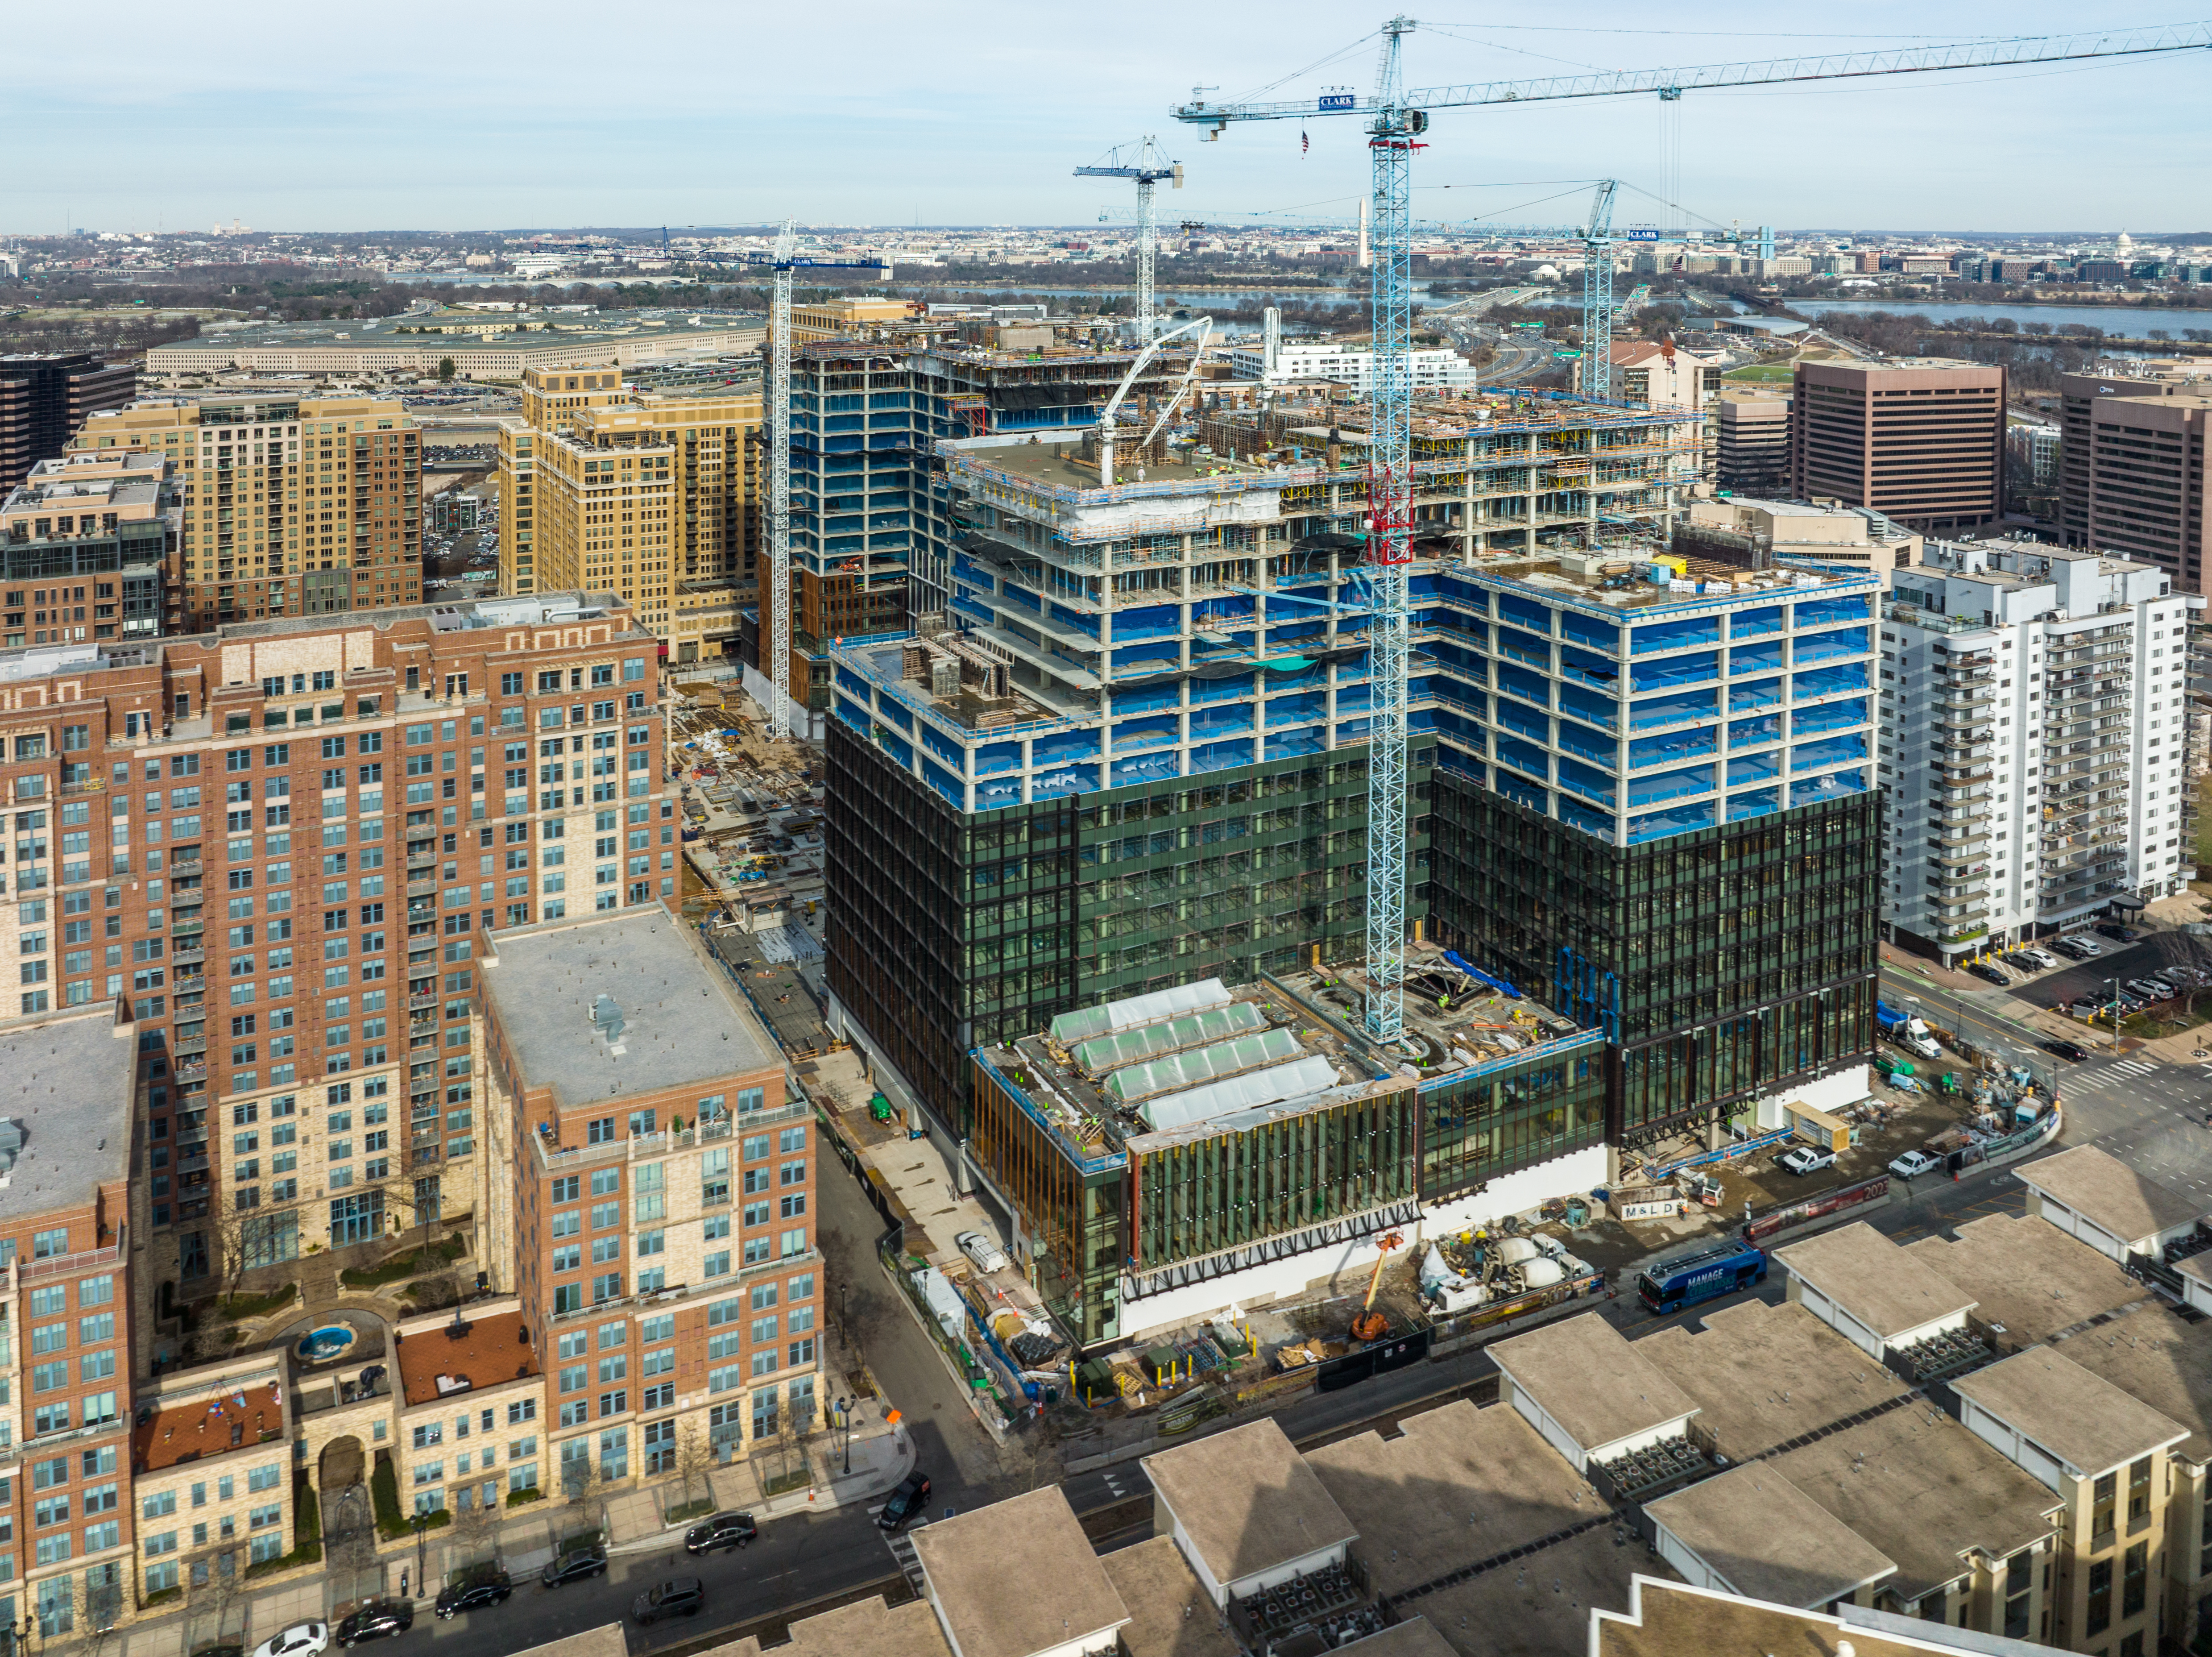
[2033,721]
[1435,369]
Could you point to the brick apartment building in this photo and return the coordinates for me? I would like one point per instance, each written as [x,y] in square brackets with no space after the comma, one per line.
[1921,440]
[659,1236]
[67,1319]
[291,506]
[282,844]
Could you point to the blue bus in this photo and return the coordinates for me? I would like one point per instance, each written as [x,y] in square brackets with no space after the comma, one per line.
[1716,1269]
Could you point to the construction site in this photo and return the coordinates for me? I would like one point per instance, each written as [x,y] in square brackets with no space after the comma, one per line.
[1168,1156]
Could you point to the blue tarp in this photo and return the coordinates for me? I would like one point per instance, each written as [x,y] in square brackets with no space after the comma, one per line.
[1476,972]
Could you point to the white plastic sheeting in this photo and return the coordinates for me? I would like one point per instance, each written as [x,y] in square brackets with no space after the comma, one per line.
[1202,1064]
[1310,1074]
[1086,1022]
[1110,1052]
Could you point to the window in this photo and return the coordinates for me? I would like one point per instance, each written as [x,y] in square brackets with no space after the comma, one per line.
[2134,1578]
[2138,1492]
[2100,1597]
[2102,1502]
[521,1410]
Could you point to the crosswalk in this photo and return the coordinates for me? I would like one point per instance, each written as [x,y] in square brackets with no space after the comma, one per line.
[2109,1073]
[901,1546]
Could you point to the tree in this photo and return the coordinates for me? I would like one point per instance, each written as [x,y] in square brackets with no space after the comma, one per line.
[476,1532]
[445,368]
[213,1614]
[694,1459]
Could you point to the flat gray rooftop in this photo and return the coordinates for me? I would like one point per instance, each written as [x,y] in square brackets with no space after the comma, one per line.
[1459,1485]
[1017,1577]
[1590,1380]
[1246,1500]
[1771,1541]
[1170,1615]
[1873,1279]
[1763,1376]
[1919,1487]
[70,1083]
[2152,1356]
[866,1625]
[681,1019]
[1540,1604]
[2108,1193]
[2029,1279]
[2072,1412]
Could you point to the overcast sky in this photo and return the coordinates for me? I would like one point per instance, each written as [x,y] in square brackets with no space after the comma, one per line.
[459,117]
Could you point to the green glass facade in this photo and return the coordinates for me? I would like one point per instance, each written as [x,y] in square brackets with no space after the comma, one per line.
[1205,1193]
[1510,1116]
[1722,964]
[950,930]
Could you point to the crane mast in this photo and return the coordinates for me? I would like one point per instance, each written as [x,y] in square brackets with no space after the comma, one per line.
[1395,118]
[778,488]
[777,601]
[1148,164]
[1390,145]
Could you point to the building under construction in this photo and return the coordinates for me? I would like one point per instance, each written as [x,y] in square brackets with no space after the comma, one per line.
[871,529]
[1132,749]
[1168,1155]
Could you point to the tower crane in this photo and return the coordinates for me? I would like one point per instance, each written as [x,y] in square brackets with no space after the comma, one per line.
[1596,236]
[1147,164]
[783,262]
[1395,119]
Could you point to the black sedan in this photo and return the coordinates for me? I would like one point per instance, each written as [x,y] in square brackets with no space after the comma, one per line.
[378,1619]
[680,1596]
[574,1565]
[722,1531]
[1987,973]
[2073,1051]
[489,1588]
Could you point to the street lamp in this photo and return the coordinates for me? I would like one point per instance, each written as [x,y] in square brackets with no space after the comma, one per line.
[2112,1007]
[422,1524]
[845,1414]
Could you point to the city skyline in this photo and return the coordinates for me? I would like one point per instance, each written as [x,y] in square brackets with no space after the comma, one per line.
[487,128]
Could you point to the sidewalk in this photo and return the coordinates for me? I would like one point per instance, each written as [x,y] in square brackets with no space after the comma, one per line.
[883,1453]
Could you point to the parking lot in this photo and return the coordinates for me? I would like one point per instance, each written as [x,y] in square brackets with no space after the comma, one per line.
[2179,959]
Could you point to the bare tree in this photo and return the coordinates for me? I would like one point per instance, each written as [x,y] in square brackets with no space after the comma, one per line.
[476,1532]
[694,1459]
[210,1604]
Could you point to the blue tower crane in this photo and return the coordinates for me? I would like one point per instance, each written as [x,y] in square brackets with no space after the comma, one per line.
[1395,119]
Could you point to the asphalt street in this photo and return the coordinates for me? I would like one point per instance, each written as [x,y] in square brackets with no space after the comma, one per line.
[2150,1114]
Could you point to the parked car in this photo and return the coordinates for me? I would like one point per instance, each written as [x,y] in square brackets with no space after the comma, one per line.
[679,1596]
[574,1565]
[982,1253]
[2073,1051]
[486,1585]
[2118,933]
[2086,946]
[1805,1159]
[301,1639]
[906,1502]
[720,1531]
[1913,1164]
[377,1619]
[1987,973]
[2071,950]
[2041,958]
